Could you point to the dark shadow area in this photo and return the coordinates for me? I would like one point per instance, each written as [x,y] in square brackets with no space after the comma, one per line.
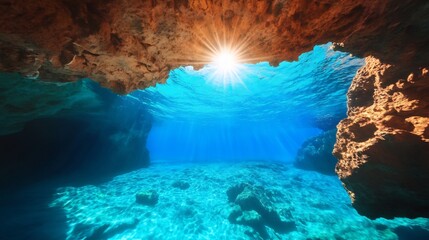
[55,152]
[315,154]
[82,150]
[25,214]
[411,233]
[57,135]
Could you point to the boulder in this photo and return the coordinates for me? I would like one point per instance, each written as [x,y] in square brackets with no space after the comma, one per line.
[253,207]
[148,198]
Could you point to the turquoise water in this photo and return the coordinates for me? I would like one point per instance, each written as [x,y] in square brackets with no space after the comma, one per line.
[315,206]
[264,113]
[219,162]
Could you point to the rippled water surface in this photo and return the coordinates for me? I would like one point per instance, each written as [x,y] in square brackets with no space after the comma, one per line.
[312,87]
[264,112]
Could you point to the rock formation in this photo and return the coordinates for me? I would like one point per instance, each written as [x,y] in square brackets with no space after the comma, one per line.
[127,44]
[383,144]
[315,154]
[130,44]
[253,207]
[149,198]
[76,133]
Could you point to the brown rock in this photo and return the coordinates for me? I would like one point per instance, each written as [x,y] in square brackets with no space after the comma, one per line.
[382,148]
[130,44]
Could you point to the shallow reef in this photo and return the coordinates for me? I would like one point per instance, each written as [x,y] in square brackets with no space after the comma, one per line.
[244,200]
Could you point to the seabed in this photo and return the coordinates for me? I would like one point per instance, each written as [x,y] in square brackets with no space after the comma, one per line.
[193,204]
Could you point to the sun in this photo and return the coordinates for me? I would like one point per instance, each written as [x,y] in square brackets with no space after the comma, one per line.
[225,61]
[225,67]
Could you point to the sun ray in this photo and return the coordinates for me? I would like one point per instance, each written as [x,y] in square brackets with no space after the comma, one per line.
[222,50]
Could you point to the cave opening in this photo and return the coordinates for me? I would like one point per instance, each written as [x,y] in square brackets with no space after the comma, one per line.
[248,112]
[93,146]
[247,156]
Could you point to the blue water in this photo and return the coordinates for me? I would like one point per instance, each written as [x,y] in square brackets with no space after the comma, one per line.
[265,113]
[187,142]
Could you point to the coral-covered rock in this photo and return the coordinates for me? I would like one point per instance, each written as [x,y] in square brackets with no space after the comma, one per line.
[315,154]
[130,44]
[383,145]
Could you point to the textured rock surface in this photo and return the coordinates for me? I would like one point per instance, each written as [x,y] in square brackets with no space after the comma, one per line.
[316,153]
[67,131]
[149,197]
[23,100]
[253,207]
[383,145]
[129,44]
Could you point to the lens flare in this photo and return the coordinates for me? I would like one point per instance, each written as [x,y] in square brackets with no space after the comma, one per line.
[225,61]
[223,49]
[225,68]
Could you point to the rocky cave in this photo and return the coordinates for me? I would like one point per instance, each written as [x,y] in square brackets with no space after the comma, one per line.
[55,124]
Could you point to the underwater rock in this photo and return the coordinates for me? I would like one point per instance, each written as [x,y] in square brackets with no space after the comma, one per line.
[315,154]
[18,105]
[235,213]
[149,198]
[72,131]
[233,191]
[125,45]
[383,145]
[250,218]
[253,208]
[247,200]
[83,149]
[254,220]
[181,185]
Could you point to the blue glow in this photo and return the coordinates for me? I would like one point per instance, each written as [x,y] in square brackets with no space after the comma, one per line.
[267,114]
[237,133]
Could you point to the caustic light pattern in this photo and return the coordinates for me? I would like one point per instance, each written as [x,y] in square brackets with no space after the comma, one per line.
[197,202]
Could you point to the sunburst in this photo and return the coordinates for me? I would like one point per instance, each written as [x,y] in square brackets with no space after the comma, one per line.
[222,50]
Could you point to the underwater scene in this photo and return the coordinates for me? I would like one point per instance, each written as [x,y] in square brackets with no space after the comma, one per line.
[210,154]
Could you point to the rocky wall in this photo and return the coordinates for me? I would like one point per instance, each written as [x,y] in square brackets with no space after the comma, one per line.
[383,144]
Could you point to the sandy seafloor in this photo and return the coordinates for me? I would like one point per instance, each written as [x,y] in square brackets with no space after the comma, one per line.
[316,203]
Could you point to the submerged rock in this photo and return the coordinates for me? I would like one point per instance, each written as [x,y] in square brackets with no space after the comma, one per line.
[149,198]
[233,191]
[254,208]
[315,154]
[71,132]
[248,200]
[250,218]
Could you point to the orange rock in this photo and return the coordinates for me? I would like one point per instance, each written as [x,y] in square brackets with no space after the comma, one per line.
[384,156]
